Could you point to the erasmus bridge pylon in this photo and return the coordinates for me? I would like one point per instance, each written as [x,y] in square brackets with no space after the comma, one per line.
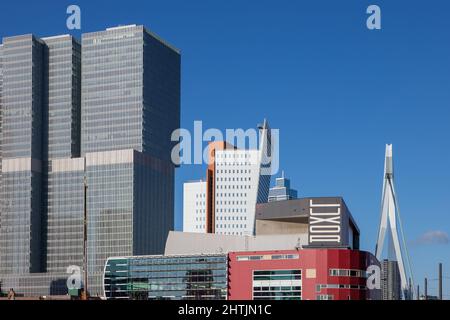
[391,222]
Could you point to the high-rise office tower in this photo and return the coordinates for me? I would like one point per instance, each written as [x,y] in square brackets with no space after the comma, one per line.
[103,112]
[390,280]
[41,122]
[64,170]
[236,180]
[22,130]
[282,190]
[130,107]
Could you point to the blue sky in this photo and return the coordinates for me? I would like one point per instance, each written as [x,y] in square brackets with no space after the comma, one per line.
[337,91]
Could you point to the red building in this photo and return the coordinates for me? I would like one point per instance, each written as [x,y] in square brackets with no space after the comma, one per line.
[307,274]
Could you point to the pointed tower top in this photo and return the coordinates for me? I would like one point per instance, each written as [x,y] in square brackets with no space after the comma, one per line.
[389,150]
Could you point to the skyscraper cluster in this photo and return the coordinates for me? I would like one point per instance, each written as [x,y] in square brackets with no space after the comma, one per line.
[100,113]
[236,180]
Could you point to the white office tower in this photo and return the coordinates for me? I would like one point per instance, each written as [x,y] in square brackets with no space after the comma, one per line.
[236,180]
[242,179]
[194,206]
[391,222]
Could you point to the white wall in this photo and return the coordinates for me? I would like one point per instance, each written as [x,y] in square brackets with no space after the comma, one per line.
[237,181]
[194,206]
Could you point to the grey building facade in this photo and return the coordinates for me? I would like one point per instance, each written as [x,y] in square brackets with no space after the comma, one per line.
[64,171]
[327,221]
[22,128]
[100,111]
[390,280]
[130,107]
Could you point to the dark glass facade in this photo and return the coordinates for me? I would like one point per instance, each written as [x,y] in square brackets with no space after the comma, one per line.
[65,195]
[62,122]
[202,277]
[21,188]
[40,113]
[64,171]
[277,285]
[130,106]
[128,194]
[130,92]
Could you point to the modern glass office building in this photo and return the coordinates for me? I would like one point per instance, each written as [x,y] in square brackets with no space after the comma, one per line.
[22,128]
[130,91]
[64,170]
[64,221]
[40,120]
[130,107]
[202,277]
[62,112]
[100,112]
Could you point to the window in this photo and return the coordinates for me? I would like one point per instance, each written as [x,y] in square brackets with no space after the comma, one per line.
[277,285]
[348,273]
[324,297]
[268,257]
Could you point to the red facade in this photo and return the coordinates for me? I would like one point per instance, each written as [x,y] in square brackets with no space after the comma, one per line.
[332,274]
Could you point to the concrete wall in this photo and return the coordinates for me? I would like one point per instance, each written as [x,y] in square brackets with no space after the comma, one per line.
[268,227]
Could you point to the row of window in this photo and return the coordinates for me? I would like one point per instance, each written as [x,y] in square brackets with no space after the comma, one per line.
[231,226]
[231,194]
[220,186]
[224,202]
[231,210]
[324,297]
[237,171]
[348,273]
[233,233]
[319,287]
[233,179]
[268,257]
[272,290]
[234,155]
[231,218]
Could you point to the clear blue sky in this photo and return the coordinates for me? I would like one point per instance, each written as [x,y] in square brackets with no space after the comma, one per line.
[337,91]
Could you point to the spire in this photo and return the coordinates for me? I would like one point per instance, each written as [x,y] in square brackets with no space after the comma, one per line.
[390,221]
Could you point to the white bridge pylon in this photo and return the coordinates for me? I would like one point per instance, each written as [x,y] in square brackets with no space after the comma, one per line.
[389,214]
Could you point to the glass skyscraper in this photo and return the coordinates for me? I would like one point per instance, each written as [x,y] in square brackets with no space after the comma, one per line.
[131,91]
[130,107]
[22,128]
[64,170]
[103,112]
[62,121]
